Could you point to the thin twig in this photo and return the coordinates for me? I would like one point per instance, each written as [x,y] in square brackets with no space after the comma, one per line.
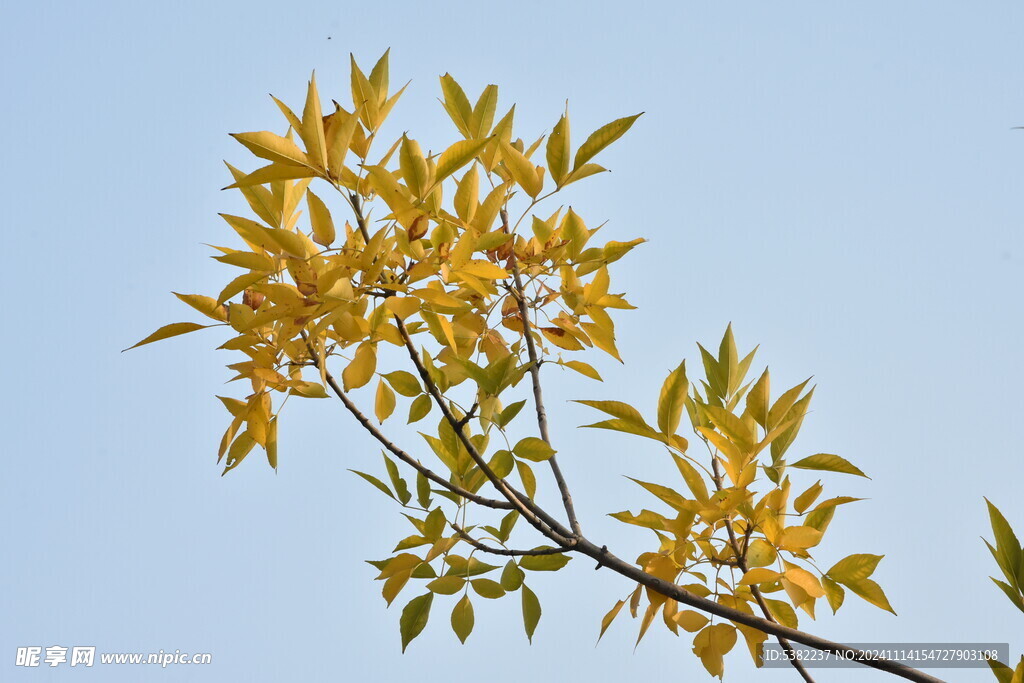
[507,552]
[538,395]
[398,452]
[523,503]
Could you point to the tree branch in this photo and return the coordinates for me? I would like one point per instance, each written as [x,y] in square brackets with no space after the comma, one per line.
[506,551]
[523,503]
[741,564]
[398,452]
[538,396]
[680,594]
[573,540]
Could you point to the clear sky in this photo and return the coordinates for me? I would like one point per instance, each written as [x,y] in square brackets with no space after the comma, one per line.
[839,180]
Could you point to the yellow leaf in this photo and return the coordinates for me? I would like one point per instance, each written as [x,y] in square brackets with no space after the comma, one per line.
[340,140]
[484,269]
[467,196]
[483,113]
[806,580]
[361,369]
[761,553]
[522,169]
[384,404]
[436,297]
[582,368]
[312,131]
[601,138]
[757,399]
[172,330]
[403,306]
[558,151]
[872,592]
[266,145]
[205,305]
[320,219]
[364,97]
[610,617]
[672,400]
[759,575]
[457,105]
[712,644]
[561,338]
[830,463]
[272,173]
[603,339]
[805,499]
[690,620]
[457,156]
[248,260]
[854,567]
[414,167]
[799,538]
[462,618]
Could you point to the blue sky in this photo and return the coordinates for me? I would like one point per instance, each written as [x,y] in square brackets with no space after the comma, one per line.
[840,181]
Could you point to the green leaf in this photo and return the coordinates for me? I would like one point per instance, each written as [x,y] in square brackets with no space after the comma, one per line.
[422,490]
[828,463]
[512,576]
[544,563]
[531,612]
[376,482]
[405,383]
[420,408]
[401,490]
[532,448]
[602,137]
[1007,544]
[460,566]
[462,618]
[1011,593]
[486,588]
[447,585]
[167,331]
[509,413]
[1003,673]
[414,618]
